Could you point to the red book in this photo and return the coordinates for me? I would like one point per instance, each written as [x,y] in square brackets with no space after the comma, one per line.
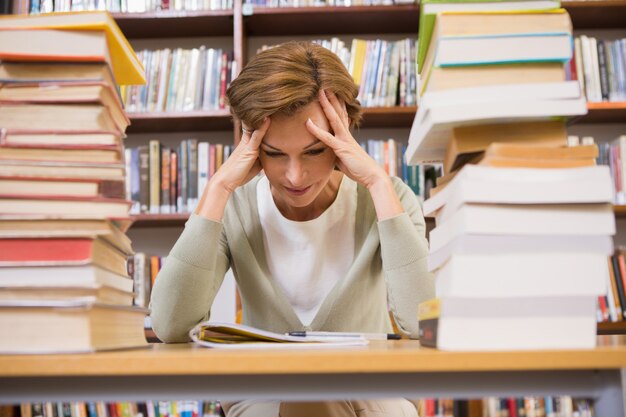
[62,251]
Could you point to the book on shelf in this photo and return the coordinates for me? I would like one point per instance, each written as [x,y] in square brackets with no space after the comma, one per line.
[238,336]
[71,327]
[508,323]
[75,33]
[441,112]
[70,153]
[468,141]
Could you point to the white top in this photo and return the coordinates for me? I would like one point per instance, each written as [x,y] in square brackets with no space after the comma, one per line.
[308,258]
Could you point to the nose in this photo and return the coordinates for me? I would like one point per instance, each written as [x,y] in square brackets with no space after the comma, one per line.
[295,173]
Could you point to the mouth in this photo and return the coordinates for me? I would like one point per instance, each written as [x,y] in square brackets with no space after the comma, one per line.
[297,191]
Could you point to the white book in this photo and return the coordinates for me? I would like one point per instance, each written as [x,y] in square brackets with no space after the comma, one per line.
[454,51]
[489,185]
[434,8]
[521,323]
[63,276]
[523,275]
[511,219]
[441,111]
[484,244]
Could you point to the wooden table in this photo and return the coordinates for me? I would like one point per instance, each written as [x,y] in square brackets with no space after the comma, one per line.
[383,369]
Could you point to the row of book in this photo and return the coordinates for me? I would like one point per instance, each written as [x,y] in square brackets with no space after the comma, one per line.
[63,247]
[323,3]
[600,67]
[126,6]
[144,269]
[164,180]
[612,306]
[122,409]
[524,222]
[181,80]
[385,71]
[613,155]
[561,406]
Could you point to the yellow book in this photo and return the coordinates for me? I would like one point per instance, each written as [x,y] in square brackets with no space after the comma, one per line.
[126,66]
[359,47]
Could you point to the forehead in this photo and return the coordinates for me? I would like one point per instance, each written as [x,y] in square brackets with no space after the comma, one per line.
[290,131]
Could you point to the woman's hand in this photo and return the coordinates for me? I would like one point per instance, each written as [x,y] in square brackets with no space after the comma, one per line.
[352,159]
[243,164]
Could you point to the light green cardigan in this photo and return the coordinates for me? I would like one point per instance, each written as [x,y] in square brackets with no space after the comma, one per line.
[389,272]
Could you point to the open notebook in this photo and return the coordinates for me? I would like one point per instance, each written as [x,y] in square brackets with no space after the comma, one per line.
[238,336]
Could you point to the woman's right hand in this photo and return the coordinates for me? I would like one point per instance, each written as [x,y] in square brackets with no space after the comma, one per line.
[243,164]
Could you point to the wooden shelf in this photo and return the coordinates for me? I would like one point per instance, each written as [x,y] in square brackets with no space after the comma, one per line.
[388,117]
[180,122]
[620,211]
[175,24]
[159,220]
[592,14]
[292,21]
[605,112]
[612,328]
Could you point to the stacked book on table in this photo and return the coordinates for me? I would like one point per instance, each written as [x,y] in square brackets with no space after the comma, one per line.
[64,281]
[523,222]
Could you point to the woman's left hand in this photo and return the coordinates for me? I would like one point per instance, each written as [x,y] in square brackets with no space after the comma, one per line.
[352,159]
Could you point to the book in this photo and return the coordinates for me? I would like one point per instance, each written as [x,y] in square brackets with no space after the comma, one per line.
[17,252]
[53,139]
[62,153]
[523,273]
[239,336]
[522,219]
[70,327]
[488,37]
[442,111]
[56,169]
[63,276]
[100,294]
[61,118]
[430,8]
[485,244]
[98,207]
[45,226]
[508,323]
[467,141]
[72,187]
[56,73]
[126,66]
[68,93]
[487,185]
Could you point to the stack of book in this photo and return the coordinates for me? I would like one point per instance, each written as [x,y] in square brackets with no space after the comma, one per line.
[63,216]
[524,223]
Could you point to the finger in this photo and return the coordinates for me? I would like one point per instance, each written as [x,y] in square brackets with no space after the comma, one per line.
[331,114]
[326,137]
[258,134]
[339,106]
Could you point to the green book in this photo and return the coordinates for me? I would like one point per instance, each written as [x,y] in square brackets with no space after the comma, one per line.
[430,8]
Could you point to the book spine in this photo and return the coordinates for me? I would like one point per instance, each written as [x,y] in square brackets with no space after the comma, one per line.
[603,71]
[144,178]
[155,176]
[165,180]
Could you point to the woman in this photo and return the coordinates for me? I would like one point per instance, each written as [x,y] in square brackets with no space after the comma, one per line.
[325,240]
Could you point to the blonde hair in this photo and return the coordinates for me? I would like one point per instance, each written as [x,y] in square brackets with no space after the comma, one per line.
[283,79]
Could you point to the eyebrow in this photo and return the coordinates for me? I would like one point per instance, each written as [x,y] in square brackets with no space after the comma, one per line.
[310,145]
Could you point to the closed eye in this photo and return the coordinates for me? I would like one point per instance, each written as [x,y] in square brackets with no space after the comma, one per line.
[272,154]
[314,152]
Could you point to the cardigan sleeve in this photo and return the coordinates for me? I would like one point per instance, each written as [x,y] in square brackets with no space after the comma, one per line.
[404,252]
[186,285]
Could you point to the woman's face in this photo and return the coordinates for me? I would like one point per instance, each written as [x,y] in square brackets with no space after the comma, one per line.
[296,163]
